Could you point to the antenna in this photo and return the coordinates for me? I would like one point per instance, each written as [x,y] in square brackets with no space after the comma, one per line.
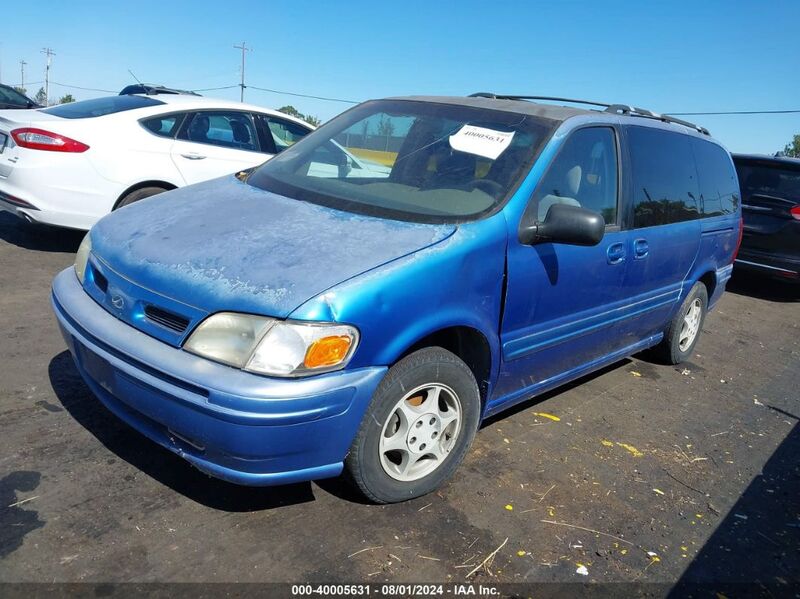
[244,49]
[147,88]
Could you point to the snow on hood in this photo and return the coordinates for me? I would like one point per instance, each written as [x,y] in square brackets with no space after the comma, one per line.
[225,245]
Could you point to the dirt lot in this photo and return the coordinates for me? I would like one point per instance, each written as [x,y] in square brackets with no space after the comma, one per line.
[642,472]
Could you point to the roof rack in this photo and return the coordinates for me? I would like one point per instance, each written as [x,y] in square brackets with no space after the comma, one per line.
[622,109]
[154,90]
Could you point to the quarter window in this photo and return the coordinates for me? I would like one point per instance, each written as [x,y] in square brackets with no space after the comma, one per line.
[163,126]
[584,173]
[719,189]
[229,129]
[664,177]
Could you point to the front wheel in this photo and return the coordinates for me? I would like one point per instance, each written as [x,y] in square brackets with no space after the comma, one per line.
[684,330]
[417,429]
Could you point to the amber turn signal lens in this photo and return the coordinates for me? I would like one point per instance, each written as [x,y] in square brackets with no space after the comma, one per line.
[327,351]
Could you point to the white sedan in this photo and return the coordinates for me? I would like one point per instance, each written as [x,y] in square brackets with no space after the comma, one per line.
[69,165]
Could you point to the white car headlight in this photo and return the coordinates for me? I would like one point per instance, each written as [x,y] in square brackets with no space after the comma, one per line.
[273,347]
[82,257]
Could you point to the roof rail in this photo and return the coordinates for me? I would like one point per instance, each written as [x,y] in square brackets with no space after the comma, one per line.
[622,109]
[551,98]
[633,111]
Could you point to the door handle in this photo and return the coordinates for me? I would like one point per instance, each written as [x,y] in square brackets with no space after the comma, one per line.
[640,249]
[616,253]
[193,156]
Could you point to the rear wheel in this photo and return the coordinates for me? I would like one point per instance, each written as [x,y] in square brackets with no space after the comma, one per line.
[684,330]
[139,194]
[417,429]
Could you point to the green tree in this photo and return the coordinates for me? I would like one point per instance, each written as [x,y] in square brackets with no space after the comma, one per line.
[40,97]
[386,130]
[793,149]
[21,90]
[291,111]
[66,99]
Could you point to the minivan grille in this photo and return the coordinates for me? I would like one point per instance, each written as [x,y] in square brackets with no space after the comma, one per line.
[168,320]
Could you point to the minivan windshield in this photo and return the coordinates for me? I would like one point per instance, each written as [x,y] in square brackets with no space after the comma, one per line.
[770,180]
[409,160]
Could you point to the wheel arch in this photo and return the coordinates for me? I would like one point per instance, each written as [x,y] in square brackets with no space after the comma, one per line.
[165,185]
[468,343]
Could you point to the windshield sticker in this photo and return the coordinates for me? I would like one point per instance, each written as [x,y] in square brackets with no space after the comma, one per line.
[487,143]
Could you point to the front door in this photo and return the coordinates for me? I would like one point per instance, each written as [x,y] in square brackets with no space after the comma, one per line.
[216,143]
[562,301]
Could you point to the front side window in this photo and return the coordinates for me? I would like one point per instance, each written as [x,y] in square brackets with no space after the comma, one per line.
[411,160]
[284,133]
[584,173]
[101,106]
[664,177]
[719,189]
[227,129]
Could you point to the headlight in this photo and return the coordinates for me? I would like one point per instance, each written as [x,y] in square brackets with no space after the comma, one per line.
[82,257]
[273,347]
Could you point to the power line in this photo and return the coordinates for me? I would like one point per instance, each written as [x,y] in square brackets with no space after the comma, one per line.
[275,91]
[733,112]
[88,89]
[211,89]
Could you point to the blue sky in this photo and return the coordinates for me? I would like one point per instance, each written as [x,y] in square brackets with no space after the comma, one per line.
[704,55]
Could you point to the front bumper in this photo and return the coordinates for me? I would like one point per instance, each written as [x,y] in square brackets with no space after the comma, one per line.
[234,425]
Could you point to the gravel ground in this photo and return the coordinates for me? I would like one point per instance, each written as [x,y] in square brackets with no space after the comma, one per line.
[639,473]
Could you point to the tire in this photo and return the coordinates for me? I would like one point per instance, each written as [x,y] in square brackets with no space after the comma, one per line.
[437,379]
[138,194]
[671,350]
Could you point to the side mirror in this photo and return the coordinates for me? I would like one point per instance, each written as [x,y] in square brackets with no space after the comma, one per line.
[564,224]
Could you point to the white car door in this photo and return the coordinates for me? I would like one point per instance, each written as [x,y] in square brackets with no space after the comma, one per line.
[213,143]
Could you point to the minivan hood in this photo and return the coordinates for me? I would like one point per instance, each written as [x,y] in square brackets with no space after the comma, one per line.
[224,245]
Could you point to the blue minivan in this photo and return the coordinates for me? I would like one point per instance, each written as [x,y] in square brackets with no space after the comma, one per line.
[322,313]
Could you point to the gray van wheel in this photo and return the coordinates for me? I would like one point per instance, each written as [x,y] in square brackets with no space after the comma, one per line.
[684,330]
[417,429]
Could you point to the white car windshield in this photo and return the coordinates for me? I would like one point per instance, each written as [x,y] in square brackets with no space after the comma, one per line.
[411,160]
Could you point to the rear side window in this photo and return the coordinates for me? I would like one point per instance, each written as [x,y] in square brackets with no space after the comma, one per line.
[228,129]
[664,177]
[584,173]
[719,189]
[101,106]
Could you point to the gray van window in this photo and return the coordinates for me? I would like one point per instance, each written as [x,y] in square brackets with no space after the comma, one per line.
[584,173]
[664,177]
[719,188]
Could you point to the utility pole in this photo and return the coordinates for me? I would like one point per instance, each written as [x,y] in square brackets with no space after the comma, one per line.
[49,53]
[244,49]
[22,64]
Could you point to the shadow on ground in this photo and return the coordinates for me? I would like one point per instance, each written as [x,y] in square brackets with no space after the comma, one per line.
[755,551]
[762,287]
[38,237]
[155,461]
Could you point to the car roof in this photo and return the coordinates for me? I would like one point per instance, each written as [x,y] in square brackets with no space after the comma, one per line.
[765,158]
[191,102]
[560,113]
[546,111]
